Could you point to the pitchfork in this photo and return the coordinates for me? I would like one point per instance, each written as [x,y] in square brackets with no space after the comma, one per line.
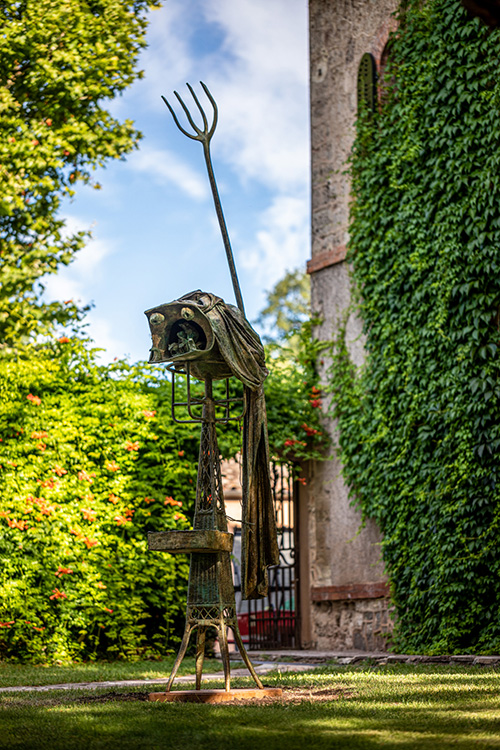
[205,136]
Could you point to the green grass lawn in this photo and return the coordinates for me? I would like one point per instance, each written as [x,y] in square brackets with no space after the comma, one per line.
[26,674]
[393,706]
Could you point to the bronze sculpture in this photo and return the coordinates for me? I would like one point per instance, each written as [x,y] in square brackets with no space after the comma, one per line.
[201,336]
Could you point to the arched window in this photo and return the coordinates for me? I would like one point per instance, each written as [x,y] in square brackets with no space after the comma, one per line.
[367,80]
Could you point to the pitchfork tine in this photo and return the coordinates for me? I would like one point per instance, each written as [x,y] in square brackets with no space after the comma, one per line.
[172,112]
[214,105]
[188,115]
[205,123]
[204,136]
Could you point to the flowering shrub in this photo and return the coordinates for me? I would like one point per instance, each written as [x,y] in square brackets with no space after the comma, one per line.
[89,462]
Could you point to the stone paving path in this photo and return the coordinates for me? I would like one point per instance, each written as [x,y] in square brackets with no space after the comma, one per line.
[267,661]
[260,668]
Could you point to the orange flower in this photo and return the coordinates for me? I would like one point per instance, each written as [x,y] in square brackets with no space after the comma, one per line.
[112,466]
[302,480]
[7,624]
[315,403]
[171,501]
[309,430]
[149,500]
[178,516]
[59,471]
[129,513]
[48,121]
[100,585]
[39,435]
[45,508]
[17,524]
[113,499]
[41,446]
[89,514]
[63,571]
[77,533]
[56,594]
[40,630]
[180,453]
[48,483]
[64,340]
[89,542]
[315,391]
[132,446]
[34,399]
[121,520]
[84,476]
[109,610]
[4,513]
[149,414]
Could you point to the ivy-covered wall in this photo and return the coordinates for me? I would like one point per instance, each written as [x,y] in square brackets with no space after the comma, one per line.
[420,421]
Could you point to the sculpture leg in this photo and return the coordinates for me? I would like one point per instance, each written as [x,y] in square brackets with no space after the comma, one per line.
[245,657]
[224,652]
[180,655]
[200,653]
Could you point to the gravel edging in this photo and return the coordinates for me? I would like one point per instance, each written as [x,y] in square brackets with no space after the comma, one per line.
[375,657]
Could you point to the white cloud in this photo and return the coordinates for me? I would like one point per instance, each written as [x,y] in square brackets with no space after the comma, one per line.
[71,281]
[281,241]
[104,334]
[257,74]
[166,167]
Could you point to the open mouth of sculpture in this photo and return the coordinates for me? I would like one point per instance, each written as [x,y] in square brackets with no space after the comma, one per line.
[185,337]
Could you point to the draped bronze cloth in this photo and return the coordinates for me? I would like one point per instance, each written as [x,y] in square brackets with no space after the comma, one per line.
[242,351]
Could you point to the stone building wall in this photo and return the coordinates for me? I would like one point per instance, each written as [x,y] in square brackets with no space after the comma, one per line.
[347,589]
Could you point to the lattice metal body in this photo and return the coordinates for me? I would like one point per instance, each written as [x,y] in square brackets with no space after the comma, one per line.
[210,599]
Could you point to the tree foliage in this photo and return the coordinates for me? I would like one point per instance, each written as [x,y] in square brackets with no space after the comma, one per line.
[288,305]
[419,426]
[59,61]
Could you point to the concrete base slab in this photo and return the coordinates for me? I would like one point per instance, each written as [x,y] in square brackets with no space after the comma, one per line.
[216,696]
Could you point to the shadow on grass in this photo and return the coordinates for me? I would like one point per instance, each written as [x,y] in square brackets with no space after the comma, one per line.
[371,709]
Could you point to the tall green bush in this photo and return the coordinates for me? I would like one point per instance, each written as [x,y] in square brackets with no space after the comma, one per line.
[419,423]
[89,462]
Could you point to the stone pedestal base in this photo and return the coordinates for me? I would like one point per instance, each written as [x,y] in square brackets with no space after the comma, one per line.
[216,696]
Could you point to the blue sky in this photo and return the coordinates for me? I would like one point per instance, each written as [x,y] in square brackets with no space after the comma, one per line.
[155,232]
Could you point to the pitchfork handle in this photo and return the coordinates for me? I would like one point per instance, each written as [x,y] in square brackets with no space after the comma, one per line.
[223,228]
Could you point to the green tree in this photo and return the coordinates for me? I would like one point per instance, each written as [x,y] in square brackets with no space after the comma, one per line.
[288,305]
[58,62]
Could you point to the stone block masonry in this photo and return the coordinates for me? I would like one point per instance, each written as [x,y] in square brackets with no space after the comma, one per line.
[340,553]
